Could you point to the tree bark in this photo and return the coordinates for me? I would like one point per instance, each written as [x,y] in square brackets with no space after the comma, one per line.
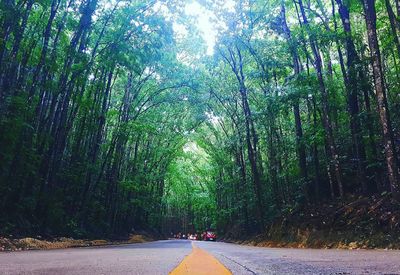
[383,111]
[301,151]
[352,86]
[333,152]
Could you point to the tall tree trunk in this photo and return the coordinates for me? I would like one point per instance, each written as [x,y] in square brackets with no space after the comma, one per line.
[46,39]
[235,61]
[390,154]
[352,87]
[393,26]
[251,141]
[301,150]
[333,152]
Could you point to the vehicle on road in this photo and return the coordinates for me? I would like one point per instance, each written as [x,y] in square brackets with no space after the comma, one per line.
[209,235]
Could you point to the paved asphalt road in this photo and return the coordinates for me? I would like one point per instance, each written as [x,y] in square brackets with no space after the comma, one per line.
[163,256]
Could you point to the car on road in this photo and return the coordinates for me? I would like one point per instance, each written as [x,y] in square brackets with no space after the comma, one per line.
[209,235]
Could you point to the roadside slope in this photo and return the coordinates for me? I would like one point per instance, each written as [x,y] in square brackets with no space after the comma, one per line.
[357,222]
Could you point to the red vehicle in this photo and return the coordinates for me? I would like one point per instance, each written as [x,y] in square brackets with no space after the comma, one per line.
[209,235]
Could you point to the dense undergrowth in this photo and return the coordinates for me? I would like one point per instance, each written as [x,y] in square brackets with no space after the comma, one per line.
[356,222]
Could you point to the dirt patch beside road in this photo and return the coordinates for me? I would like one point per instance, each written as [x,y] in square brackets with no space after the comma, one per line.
[10,244]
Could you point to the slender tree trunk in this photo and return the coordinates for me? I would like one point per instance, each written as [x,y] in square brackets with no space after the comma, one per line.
[393,25]
[301,151]
[352,87]
[333,152]
[235,61]
[46,39]
[383,111]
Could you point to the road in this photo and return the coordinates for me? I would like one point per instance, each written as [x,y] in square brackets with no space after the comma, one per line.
[162,257]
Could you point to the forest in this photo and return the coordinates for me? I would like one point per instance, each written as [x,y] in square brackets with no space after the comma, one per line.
[129,115]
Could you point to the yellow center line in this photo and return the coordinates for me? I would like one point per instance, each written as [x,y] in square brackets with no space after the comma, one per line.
[199,262]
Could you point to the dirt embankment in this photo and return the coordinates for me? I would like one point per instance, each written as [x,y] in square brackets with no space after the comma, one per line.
[10,244]
[354,223]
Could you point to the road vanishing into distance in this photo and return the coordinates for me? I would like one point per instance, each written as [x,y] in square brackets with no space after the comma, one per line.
[196,257]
